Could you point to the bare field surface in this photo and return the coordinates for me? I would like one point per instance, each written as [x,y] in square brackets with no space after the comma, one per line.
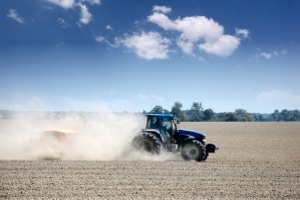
[274,142]
[255,161]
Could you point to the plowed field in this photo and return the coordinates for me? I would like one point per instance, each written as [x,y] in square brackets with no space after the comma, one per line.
[255,161]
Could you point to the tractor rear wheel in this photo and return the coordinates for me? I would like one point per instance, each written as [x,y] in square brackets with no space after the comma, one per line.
[193,150]
[147,142]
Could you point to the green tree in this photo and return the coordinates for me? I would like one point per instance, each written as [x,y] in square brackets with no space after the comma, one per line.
[261,118]
[221,116]
[289,115]
[177,111]
[157,109]
[209,115]
[197,106]
[284,115]
[276,115]
[242,115]
[245,118]
[230,117]
[296,115]
[240,111]
[196,112]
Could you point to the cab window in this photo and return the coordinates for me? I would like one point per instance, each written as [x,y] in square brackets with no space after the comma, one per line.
[153,122]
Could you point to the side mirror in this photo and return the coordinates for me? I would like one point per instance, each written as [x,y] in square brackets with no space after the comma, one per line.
[177,121]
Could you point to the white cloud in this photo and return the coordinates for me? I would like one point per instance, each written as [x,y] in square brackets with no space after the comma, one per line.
[102,39]
[149,45]
[94,2]
[243,32]
[163,9]
[62,22]
[161,20]
[186,46]
[99,38]
[199,27]
[222,47]
[86,16]
[108,27]
[66,4]
[266,55]
[279,99]
[270,54]
[197,30]
[14,15]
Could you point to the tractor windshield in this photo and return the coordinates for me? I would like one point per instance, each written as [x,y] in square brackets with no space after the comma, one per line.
[159,122]
[167,123]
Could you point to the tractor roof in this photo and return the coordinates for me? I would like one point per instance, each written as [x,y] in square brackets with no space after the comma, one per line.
[160,115]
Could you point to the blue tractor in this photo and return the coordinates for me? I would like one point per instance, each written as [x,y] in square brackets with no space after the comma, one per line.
[162,134]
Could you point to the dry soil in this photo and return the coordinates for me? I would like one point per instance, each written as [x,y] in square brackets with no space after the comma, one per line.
[255,161]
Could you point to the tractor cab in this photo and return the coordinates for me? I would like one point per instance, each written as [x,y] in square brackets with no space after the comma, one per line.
[165,124]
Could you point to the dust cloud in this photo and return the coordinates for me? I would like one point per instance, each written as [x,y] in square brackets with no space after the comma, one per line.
[105,136]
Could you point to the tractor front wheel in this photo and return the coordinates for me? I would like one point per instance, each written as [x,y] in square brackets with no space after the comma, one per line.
[193,150]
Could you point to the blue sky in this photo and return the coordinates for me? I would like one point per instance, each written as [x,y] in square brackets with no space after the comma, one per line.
[97,55]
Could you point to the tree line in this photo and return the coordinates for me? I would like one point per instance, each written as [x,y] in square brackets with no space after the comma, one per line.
[197,113]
